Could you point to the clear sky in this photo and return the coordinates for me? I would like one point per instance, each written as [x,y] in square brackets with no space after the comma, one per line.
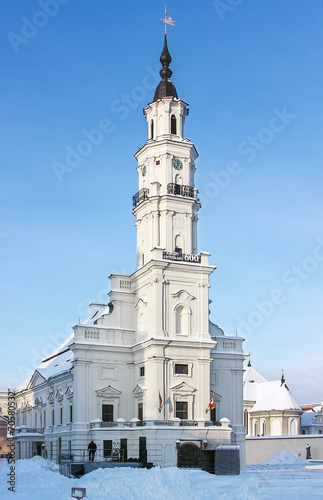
[252,73]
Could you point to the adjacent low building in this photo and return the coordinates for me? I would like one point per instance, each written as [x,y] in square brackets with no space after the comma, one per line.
[269,407]
[312,419]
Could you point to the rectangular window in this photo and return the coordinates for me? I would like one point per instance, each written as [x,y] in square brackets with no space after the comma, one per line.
[157,162]
[142,371]
[213,415]
[44,419]
[182,410]
[71,413]
[107,413]
[53,419]
[181,369]
[107,449]
[61,415]
[35,420]
[140,411]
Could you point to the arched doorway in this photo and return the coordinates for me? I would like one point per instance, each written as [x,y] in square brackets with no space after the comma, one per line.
[189,455]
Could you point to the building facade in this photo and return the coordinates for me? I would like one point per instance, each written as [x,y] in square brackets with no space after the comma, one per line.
[138,375]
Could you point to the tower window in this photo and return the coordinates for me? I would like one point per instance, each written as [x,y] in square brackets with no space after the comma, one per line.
[151,129]
[181,369]
[142,371]
[173,127]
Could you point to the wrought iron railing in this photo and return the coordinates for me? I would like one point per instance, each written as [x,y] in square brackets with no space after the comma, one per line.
[142,195]
[163,422]
[116,454]
[38,430]
[192,423]
[177,189]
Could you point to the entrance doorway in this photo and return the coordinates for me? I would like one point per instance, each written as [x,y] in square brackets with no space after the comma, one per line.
[189,455]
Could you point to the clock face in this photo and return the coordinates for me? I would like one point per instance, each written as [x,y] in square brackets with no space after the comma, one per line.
[177,164]
[144,170]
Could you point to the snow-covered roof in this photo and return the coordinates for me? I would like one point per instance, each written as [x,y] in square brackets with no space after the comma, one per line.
[251,379]
[60,360]
[97,312]
[274,396]
[268,396]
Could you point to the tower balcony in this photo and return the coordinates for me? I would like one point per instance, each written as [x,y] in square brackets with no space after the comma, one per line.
[180,190]
[142,195]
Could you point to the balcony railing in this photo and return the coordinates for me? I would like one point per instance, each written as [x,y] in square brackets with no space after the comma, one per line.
[142,195]
[177,189]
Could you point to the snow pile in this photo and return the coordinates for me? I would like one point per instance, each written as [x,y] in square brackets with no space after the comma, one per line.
[39,479]
[285,457]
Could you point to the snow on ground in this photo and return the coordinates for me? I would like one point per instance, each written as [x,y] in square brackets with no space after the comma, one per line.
[284,476]
[285,457]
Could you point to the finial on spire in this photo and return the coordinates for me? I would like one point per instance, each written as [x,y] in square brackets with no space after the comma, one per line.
[165,87]
[168,20]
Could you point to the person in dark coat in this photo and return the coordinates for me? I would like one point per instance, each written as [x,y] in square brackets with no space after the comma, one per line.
[92,450]
[308,452]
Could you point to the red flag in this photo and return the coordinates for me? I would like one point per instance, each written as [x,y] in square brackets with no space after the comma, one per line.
[211,403]
[160,402]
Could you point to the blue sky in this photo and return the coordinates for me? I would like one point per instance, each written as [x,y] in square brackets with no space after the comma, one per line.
[252,74]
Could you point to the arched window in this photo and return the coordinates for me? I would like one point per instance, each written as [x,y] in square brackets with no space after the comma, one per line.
[151,129]
[255,428]
[293,427]
[179,244]
[263,428]
[173,127]
[182,320]
[245,420]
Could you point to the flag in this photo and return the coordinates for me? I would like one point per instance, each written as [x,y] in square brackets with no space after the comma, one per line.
[211,404]
[160,402]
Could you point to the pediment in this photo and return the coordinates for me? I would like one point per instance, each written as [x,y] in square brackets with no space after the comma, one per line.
[50,397]
[36,379]
[139,390]
[183,294]
[141,302]
[38,400]
[183,388]
[108,391]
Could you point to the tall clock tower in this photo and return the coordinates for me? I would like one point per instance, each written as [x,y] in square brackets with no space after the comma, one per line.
[171,282]
[166,205]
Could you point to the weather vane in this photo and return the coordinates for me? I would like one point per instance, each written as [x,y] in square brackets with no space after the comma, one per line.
[167,20]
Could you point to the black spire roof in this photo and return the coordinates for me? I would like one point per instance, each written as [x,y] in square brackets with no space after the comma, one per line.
[165,87]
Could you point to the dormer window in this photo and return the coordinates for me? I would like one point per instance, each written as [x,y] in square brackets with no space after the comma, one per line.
[173,127]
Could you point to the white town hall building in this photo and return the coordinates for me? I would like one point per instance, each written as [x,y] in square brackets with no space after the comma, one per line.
[138,375]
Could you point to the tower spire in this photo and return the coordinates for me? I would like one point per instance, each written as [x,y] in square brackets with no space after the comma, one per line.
[166,87]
